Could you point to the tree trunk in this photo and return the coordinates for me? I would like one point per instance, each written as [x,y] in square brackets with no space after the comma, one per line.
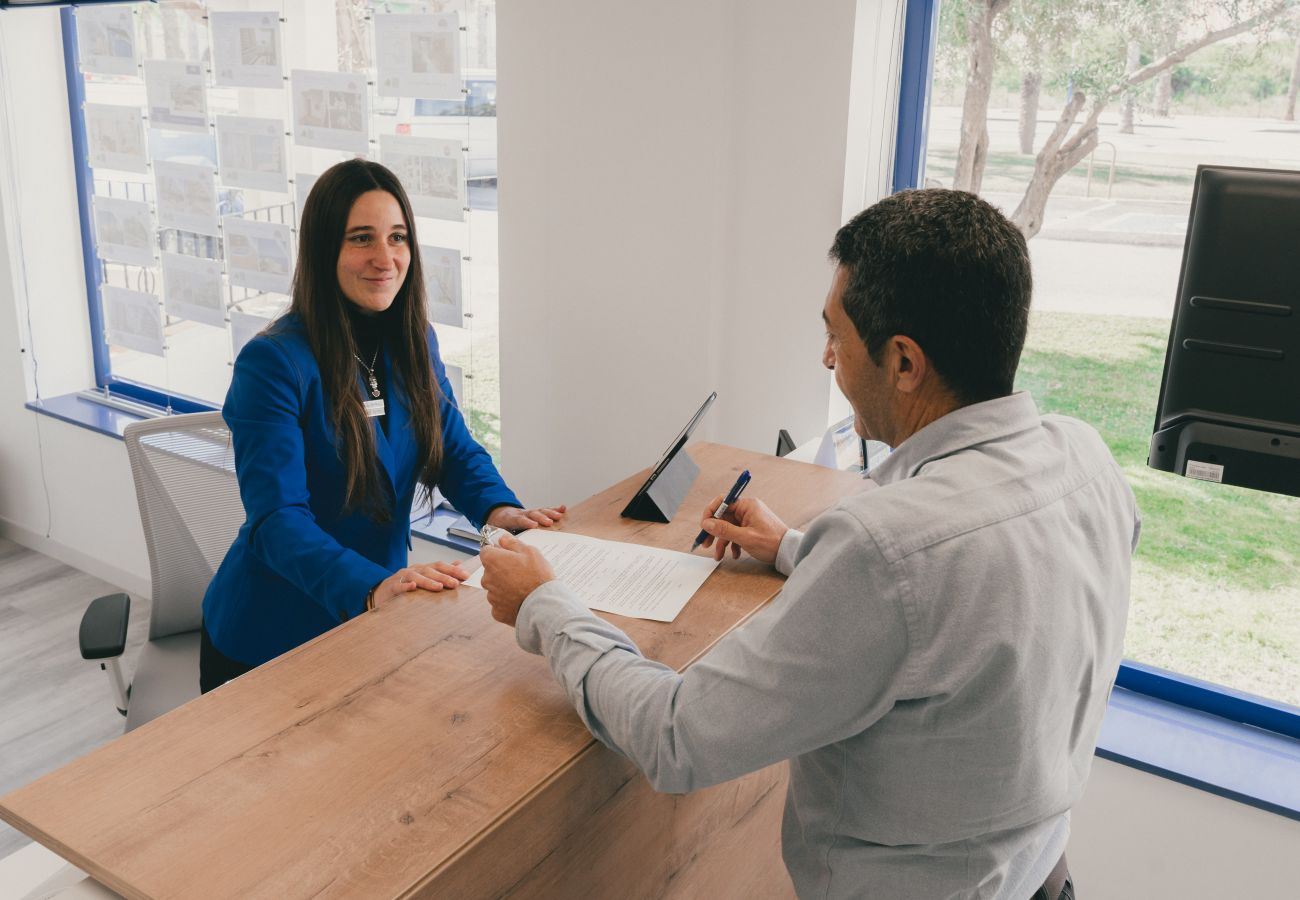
[1291,92]
[1031,84]
[1165,80]
[1057,157]
[1130,96]
[972,150]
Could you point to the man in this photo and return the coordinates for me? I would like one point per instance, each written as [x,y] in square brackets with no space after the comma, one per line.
[937,666]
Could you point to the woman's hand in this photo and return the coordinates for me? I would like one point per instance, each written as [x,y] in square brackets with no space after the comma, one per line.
[438,577]
[512,518]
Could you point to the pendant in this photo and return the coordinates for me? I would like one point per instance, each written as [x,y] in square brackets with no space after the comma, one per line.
[374,385]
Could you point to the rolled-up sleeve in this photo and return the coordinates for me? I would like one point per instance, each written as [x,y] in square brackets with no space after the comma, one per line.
[820,663]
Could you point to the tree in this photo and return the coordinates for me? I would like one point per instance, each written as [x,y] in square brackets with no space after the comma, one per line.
[973,147]
[1294,87]
[1096,70]
[1067,145]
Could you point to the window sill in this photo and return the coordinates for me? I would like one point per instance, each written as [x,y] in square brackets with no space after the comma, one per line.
[1240,762]
[77,410]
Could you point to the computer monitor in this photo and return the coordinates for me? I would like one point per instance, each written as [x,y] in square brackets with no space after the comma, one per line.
[1229,408]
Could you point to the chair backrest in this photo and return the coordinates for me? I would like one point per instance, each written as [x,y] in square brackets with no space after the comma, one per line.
[184,471]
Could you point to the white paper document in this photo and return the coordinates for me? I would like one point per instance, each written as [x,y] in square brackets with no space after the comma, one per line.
[246,49]
[132,319]
[115,137]
[243,328]
[259,255]
[106,40]
[456,378]
[330,110]
[251,152]
[432,170]
[192,289]
[418,55]
[178,98]
[124,231]
[442,284]
[625,579]
[187,196]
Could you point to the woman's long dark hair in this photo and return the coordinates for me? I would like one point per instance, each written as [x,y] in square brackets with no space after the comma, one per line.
[320,303]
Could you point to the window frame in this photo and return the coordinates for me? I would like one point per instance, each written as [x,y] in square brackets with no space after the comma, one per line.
[920,28]
[105,381]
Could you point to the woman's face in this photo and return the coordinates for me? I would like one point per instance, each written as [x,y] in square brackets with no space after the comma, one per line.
[375,253]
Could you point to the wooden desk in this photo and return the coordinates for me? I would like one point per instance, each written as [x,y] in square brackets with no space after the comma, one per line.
[417,751]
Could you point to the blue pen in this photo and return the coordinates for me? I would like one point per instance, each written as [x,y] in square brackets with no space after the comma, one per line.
[732,496]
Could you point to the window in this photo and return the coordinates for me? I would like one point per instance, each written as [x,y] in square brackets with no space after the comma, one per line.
[199,128]
[1216,580]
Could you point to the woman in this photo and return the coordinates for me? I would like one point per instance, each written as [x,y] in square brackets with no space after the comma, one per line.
[337,412]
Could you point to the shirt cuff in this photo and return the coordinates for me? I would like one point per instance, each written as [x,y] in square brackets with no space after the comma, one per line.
[788,551]
[544,614]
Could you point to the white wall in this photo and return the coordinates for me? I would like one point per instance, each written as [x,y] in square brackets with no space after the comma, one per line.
[1138,836]
[672,175]
[676,172]
[64,490]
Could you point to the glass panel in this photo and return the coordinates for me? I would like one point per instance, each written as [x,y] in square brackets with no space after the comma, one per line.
[190,120]
[1216,581]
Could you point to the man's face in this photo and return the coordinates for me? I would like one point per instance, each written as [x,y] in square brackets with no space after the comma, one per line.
[864,383]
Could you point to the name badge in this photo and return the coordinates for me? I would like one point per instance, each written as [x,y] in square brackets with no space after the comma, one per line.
[374,407]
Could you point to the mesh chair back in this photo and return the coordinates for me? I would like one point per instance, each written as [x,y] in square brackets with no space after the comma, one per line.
[184,471]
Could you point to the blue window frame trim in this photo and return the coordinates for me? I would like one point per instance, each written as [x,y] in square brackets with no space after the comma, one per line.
[919,30]
[919,27]
[104,377]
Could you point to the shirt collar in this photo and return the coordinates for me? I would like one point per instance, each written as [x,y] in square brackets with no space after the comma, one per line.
[958,430]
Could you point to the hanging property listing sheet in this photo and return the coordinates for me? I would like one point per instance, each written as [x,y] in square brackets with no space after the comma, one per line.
[432,170]
[442,285]
[132,319]
[124,231]
[302,182]
[418,56]
[115,137]
[456,378]
[330,110]
[106,40]
[177,95]
[187,196]
[250,153]
[246,49]
[243,328]
[192,289]
[259,255]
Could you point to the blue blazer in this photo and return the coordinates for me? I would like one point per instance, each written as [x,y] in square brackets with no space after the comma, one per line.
[300,565]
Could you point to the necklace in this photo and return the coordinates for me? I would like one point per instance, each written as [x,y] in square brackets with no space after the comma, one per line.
[370,372]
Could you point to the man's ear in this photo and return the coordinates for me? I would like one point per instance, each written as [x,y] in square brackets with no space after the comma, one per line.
[910,364]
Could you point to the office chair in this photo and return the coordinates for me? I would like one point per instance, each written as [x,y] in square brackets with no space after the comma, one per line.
[184,472]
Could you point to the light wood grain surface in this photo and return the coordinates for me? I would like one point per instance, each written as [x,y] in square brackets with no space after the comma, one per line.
[416,751]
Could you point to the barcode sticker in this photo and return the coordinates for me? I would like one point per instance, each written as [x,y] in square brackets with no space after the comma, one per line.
[1204,471]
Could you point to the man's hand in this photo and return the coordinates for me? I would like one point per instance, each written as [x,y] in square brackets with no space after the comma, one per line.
[512,518]
[511,571]
[747,525]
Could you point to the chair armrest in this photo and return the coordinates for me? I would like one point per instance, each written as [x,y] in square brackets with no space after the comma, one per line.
[103,627]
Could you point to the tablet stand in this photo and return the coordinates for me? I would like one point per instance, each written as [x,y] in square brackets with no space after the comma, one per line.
[665,489]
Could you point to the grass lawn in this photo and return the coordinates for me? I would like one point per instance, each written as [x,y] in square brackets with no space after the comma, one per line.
[1216,580]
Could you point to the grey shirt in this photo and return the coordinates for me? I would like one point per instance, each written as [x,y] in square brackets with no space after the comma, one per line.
[935,669]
